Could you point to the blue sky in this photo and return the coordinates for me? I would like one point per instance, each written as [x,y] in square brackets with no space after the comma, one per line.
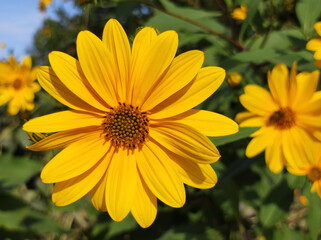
[20,19]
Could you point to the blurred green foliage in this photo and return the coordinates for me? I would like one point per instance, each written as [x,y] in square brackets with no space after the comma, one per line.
[248,202]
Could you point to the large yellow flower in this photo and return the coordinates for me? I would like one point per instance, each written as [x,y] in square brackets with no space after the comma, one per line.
[315,45]
[311,167]
[289,116]
[17,85]
[132,136]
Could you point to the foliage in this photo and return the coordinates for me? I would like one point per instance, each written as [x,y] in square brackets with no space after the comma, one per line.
[248,201]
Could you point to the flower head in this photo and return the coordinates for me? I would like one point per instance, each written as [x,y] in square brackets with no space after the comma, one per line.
[289,116]
[239,13]
[234,79]
[132,136]
[311,167]
[43,4]
[315,45]
[17,86]
[3,45]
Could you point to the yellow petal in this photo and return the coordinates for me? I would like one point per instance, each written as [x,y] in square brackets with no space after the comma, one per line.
[116,41]
[314,44]
[206,122]
[182,70]
[278,82]
[274,157]
[71,190]
[185,141]
[317,187]
[317,63]
[27,62]
[297,147]
[98,65]
[307,83]
[242,116]
[317,55]
[5,71]
[52,84]
[121,184]
[75,159]
[258,106]
[97,194]
[62,139]
[317,27]
[157,58]
[308,120]
[70,74]
[15,105]
[195,175]
[6,96]
[259,143]
[142,41]
[144,207]
[253,122]
[204,85]
[62,121]
[165,184]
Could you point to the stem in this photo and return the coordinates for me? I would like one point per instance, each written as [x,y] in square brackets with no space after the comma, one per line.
[186,19]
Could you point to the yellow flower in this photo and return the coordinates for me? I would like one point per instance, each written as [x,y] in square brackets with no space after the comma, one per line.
[46,31]
[311,167]
[43,4]
[17,85]
[239,13]
[3,45]
[288,116]
[132,136]
[315,45]
[233,79]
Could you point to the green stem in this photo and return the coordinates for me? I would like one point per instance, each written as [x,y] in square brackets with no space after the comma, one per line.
[189,20]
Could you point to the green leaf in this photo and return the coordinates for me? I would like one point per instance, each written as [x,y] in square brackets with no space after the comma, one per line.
[252,10]
[286,233]
[314,209]
[256,56]
[16,170]
[242,133]
[308,12]
[163,21]
[295,181]
[276,205]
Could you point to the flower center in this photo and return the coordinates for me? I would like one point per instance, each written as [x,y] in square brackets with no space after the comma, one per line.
[17,84]
[314,174]
[282,119]
[126,126]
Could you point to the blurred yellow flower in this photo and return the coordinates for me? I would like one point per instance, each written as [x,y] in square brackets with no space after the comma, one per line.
[303,200]
[43,4]
[17,85]
[46,31]
[132,136]
[311,167]
[234,79]
[315,45]
[239,13]
[3,45]
[289,116]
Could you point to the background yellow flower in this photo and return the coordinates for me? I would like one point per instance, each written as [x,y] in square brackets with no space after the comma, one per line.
[311,167]
[17,86]
[239,13]
[315,45]
[289,116]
